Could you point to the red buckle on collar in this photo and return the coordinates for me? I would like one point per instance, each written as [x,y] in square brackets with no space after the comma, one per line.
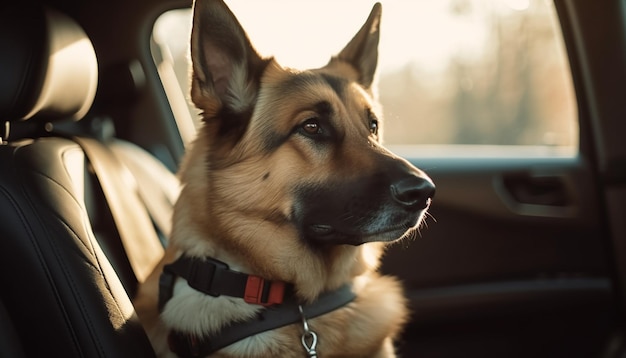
[260,292]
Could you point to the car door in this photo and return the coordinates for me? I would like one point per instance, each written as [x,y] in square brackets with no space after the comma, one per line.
[514,263]
[518,257]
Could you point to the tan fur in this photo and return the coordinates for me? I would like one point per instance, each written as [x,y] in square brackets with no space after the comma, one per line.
[236,206]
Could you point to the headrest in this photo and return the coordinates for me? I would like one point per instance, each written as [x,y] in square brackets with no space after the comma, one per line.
[48,66]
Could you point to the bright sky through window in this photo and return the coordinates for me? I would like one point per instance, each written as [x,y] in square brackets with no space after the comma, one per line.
[450,71]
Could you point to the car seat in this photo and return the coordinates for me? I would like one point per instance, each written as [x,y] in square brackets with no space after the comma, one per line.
[66,278]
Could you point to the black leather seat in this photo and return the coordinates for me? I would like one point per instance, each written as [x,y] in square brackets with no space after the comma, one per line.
[10,345]
[65,280]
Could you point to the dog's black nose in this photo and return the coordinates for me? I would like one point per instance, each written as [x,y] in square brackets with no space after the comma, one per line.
[413,192]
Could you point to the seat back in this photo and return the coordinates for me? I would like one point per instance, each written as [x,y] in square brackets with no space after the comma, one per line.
[65,279]
[10,345]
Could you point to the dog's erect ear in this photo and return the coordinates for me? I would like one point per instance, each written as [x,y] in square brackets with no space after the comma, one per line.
[362,51]
[226,68]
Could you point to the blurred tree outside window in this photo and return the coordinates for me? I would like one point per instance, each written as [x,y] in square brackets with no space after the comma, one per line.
[451,72]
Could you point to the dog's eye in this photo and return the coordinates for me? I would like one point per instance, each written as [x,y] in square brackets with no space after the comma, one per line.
[373,122]
[374,126]
[311,127]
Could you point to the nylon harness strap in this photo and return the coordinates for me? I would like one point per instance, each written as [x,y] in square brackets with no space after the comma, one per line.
[217,274]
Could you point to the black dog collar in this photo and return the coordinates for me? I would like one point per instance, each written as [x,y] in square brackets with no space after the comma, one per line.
[213,277]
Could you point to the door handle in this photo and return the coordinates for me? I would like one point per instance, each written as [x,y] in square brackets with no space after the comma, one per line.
[530,194]
[526,188]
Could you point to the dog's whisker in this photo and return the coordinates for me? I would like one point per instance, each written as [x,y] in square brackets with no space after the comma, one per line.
[428,214]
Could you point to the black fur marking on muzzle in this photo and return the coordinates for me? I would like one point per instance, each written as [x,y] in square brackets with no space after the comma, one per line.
[379,207]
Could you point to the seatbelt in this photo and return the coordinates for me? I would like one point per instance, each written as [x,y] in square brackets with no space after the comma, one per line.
[129,213]
[158,198]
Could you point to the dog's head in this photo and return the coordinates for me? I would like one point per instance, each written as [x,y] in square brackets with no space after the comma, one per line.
[298,152]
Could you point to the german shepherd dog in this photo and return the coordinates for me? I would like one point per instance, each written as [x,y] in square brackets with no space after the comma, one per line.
[288,200]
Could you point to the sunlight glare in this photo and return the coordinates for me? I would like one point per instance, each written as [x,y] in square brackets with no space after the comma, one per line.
[305,34]
[519,5]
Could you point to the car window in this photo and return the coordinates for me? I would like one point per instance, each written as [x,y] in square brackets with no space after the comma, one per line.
[454,73]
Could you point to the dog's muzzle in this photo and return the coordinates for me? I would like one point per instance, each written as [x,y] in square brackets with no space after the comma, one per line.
[383,206]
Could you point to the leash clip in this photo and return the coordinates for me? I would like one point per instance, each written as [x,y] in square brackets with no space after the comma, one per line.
[309,338]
